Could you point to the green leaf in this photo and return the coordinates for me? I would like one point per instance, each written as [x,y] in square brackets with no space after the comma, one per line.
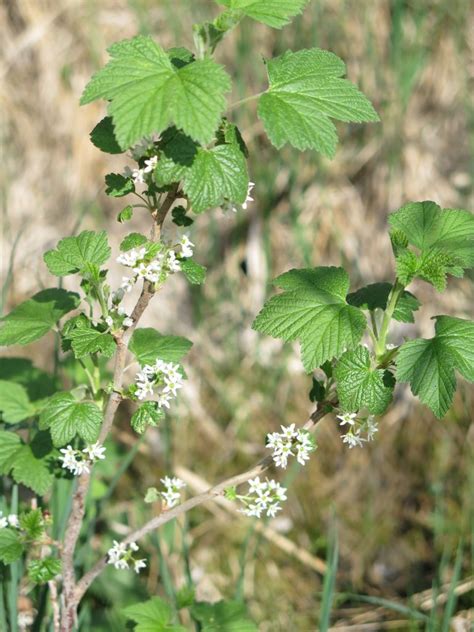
[223,616]
[375,296]
[148,414]
[195,273]
[209,176]
[76,254]
[86,340]
[103,137]
[148,93]
[125,214]
[359,385]
[180,218]
[429,365]
[31,471]
[14,402]
[443,240]
[32,523]
[10,443]
[154,615]
[305,92]
[38,383]
[147,345]
[118,185]
[457,335]
[313,310]
[11,548]
[65,417]
[42,571]
[33,318]
[133,240]
[274,13]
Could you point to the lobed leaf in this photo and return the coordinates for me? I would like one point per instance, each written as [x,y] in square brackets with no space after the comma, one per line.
[209,176]
[15,404]
[274,13]
[375,296]
[11,549]
[443,240]
[147,345]
[359,385]
[194,272]
[305,91]
[118,185]
[313,310]
[223,616]
[147,414]
[148,93]
[65,417]
[75,254]
[44,570]
[33,318]
[429,365]
[154,615]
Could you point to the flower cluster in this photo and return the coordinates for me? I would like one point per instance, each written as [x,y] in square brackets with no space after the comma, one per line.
[118,318]
[229,206]
[155,269]
[172,495]
[262,496]
[290,442]
[78,462]
[121,556]
[139,175]
[357,428]
[9,521]
[164,375]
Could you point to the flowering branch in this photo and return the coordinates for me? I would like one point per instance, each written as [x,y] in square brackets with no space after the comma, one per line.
[76,516]
[211,494]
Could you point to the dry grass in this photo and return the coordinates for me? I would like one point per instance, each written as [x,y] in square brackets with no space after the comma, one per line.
[399,504]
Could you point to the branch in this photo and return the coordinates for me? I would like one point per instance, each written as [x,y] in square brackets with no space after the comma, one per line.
[195,501]
[76,515]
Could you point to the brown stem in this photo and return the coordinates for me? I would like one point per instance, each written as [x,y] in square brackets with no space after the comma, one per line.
[210,494]
[78,506]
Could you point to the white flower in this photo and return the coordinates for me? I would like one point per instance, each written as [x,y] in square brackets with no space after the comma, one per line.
[173,264]
[3,521]
[283,443]
[127,284]
[120,310]
[164,400]
[121,555]
[347,418]
[138,176]
[150,164]
[127,322]
[353,439]
[389,347]
[248,198]
[109,320]
[138,565]
[186,246]
[172,496]
[95,452]
[13,521]
[371,427]
[263,496]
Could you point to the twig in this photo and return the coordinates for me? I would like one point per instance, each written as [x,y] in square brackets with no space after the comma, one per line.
[195,501]
[279,540]
[53,591]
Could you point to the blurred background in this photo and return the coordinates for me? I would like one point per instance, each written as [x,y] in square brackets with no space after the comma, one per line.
[400,511]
